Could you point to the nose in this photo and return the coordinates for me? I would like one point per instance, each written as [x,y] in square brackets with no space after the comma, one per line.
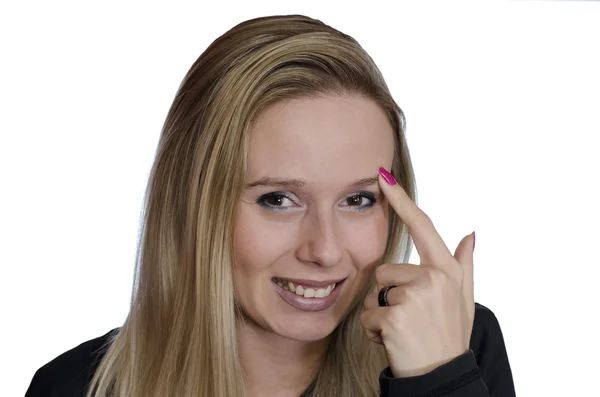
[320,240]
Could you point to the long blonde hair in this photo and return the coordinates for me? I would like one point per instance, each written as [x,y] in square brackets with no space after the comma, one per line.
[179,336]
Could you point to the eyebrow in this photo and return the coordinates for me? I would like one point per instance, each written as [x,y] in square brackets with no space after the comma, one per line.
[298,183]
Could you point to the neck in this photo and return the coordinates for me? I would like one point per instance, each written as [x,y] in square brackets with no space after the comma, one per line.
[276,366]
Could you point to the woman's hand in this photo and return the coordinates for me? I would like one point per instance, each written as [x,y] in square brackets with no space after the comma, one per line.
[430,315]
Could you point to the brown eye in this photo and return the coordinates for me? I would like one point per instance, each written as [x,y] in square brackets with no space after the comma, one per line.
[361,201]
[354,200]
[275,202]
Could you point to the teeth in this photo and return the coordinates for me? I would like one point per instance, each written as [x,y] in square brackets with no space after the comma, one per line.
[308,292]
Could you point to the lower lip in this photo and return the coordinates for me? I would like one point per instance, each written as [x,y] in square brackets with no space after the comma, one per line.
[309,304]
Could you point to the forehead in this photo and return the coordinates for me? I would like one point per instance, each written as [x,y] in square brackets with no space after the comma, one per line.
[319,139]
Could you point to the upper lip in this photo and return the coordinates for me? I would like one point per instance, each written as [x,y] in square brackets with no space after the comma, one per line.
[312,283]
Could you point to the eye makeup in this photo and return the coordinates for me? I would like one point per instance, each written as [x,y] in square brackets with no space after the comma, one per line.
[274,201]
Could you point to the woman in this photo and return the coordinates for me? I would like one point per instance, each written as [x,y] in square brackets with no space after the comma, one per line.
[273,252]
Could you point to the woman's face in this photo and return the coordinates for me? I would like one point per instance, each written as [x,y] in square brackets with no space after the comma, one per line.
[307,216]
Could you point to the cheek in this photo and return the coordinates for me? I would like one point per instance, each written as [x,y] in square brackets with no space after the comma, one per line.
[368,241]
[257,244]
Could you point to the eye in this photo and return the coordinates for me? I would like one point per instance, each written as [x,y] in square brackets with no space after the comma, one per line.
[280,201]
[357,201]
[276,201]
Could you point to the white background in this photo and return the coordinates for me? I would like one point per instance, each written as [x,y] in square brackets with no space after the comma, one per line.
[502,101]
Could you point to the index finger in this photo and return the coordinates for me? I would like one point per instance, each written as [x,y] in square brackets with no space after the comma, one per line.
[428,242]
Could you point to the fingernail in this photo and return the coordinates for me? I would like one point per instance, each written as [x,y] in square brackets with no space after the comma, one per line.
[387,176]
[473,241]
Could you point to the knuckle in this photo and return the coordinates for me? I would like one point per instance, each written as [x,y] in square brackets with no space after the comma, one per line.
[380,271]
[366,302]
[362,319]
[429,274]
[371,335]
[396,318]
[435,276]
[402,292]
[411,293]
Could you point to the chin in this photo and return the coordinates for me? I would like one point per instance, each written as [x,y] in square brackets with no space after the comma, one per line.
[307,330]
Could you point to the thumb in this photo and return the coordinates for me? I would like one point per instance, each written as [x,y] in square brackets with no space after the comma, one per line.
[464,255]
[465,249]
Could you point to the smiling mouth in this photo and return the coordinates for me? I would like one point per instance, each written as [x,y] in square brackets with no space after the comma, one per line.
[307,291]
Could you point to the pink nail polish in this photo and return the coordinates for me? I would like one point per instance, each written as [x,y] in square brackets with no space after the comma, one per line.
[473,241]
[387,176]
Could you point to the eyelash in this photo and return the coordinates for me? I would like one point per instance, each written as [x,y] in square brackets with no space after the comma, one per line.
[262,201]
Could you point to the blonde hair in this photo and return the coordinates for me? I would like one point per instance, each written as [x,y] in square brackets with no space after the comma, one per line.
[179,336]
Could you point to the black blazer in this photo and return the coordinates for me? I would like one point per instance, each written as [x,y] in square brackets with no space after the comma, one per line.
[483,371]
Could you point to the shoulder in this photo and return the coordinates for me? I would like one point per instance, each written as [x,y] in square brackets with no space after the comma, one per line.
[69,373]
[486,329]
[487,344]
